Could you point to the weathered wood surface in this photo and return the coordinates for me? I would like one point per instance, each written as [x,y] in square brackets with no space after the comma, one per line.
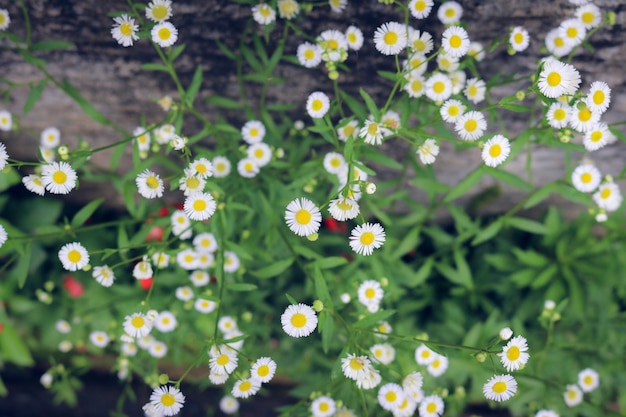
[109,76]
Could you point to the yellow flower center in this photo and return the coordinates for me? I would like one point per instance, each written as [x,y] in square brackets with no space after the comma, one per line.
[298,320]
[201,168]
[188,258]
[588,380]
[436,363]
[152,182]
[431,407]
[455,41]
[344,205]
[265,10]
[499,387]
[471,125]
[370,293]
[352,37]
[193,182]
[357,364]
[472,90]
[248,166]
[587,18]
[586,177]
[572,32]
[137,322]
[258,153]
[605,193]
[553,79]
[513,353]
[333,44]
[495,150]
[164,34]
[335,162]
[439,87]
[419,45]
[598,97]
[127,30]
[59,177]
[245,386]
[417,86]
[324,407]
[159,12]
[317,105]
[367,238]
[596,136]
[420,6]
[37,181]
[391,396]
[2,19]
[559,42]
[372,129]
[426,354]
[559,114]
[74,256]
[348,130]
[199,205]
[453,111]
[288,8]
[254,132]
[391,38]
[263,370]
[142,139]
[220,166]
[168,400]
[303,216]
[450,12]
[584,115]
[518,38]
[222,359]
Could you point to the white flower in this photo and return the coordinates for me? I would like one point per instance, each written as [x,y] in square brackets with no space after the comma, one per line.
[586,178]
[50,137]
[431,406]
[204,306]
[455,41]
[99,338]
[383,353]
[323,406]
[471,125]
[263,14]
[260,152]
[164,34]
[143,269]
[451,110]
[263,369]
[500,388]
[199,206]
[184,293]
[608,197]
[5,19]
[159,10]
[588,380]
[63,326]
[6,120]
[557,79]
[519,39]
[253,131]
[247,168]
[288,9]
[439,87]
[221,166]
[370,292]
[157,349]
[367,237]
[589,15]
[420,9]
[299,320]
[245,388]
[58,177]
[546,413]
[505,333]
[73,256]
[599,97]
[556,44]
[449,12]
[354,37]
[165,322]
[229,405]
[334,162]
[167,400]
[199,278]
[355,367]
[342,209]
[309,55]
[572,396]
[223,359]
[424,355]
[428,151]
[33,183]
[496,150]
[597,137]
[317,104]
[415,86]
[558,115]
[390,396]
[303,217]
[572,31]
[124,30]
[103,275]
[438,366]
[419,41]
[373,132]
[231,261]
[149,184]
[137,325]
[390,38]
[475,90]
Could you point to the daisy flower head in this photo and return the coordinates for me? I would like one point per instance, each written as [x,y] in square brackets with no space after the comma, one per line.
[204,306]
[317,104]
[149,184]
[333,42]
[608,197]
[354,37]
[597,137]
[450,12]
[455,41]
[124,30]
[3,235]
[47,155]
[447,63]
[496,150]
[431,406]
[221,167]
[309,55]
[558,115]
[217,378]
[205,242]
[143,269]
[184,293]
[557,79]
[451,110]
[159,10]
[390,396]
[475,90]
[420,42]
[167,400]
[245,388]
[586,178]
[370,292]
[223,359]
[199,206]
[231,261]
[253,131]
[142,138]
[157,349]
[438,366]
[50,137]
[582,117]
[229,405]
[263,14]
[589,15]
[165,133]
[572,395]
[370,380]
[201,167]
[373,132]
[599,97]
[391,120]
[505,333]
[337,6]
[347,130]
[137,325]
[417,64]
[248,168]
[415,86]
[303,217]
[103,275]
[424,355]
[4,156]
[323,406]
[263,369]
[412,383]
[164,34]
[355,367]
[390,38]
[572,31]
[367,237]
[519,39]
[343,208]
[439,87]
[420,9]
[165,322]
[471,125]
[476,51]
[190,183]
[226,324]
[73,256]
[5,19]
[288,9]
[556,44]
[99,338]
[299,320]
[406,408]
[588,380]
[500,388]
[383,353]
[6,119]
[181,225]
[187,259]
[514,355]
[58,177]
[334,162]
[546,413]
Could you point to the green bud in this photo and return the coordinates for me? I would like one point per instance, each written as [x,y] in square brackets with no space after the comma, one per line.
[581,105]
[333,75]
[510,51]
[313,237]
[384,281]
[520,95]
[318,305]
[611,18]
[164,379]
[63,150]
[48,286]
[481,357]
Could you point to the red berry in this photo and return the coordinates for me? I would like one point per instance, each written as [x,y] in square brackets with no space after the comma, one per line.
[146,283]
[74,288]
[155,234]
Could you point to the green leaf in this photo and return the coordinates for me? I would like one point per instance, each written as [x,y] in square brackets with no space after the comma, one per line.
[9,178]
[87,107]
[410,242]
[194,87]
[224,102]
[326,328]
[251,59]
[291,299]
[530,258]
[369,102]
[329,262]
[12,347]
[176,52]
[33,96]
[240,286]
[464,185]
[545,276]
[321,289]
[388,75]
[523,277]
[230,54]
[515,107]
[539,195]
[507,178]
[463,269]
[422,273]
[354,105]
[23,263]
[371,320]
[527,225]
[83,214]
[51,45]
[154,67]
[382,159]
[274,269]
[573,195]
[34,61]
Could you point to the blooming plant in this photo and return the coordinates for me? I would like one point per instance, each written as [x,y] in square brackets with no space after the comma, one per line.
[266,243]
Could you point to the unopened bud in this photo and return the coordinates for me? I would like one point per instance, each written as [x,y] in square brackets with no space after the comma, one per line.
[164,379]
[318,305]
[313,237]
[481,357]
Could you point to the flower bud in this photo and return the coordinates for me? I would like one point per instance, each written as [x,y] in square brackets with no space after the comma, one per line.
[318,305]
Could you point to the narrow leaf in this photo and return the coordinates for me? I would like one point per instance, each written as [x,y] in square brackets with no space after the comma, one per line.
[274,269]
[83,214]
[369,102]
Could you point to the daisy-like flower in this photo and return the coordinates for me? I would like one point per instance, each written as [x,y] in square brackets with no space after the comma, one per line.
[573,31]
[299,320]
[390,38]
[500,388]
[137,325]
[608,197]
[589,15]
[420,42]
[354,37]
[167,400]
[317,105]
[505,333]
[412,384]
[288,9]
[184,293]
[420,9]
[334,162]
[447,63]
[303,217]
[370,380]
[253,131]
[223,360]
[546,413]
[231,261]
[455,41]
[424,355]
[451,110]
[450,12]
[347,130]
[221,166]
[165,322]
[370,292]
[558,115]
[337,6]
[50,137]
[33,183]
[390,396]
[582,118]
[199,278]
[383,353]
[514,355]
[159,10]
[218,378]
[519,39]
[205,242]
[248,168]
[229,405]
[557,79]
[4,156]
[367,237]
[373,132]
[597,137]
[260,152]
[47,155]
[406,408]
[342,209]
[586,178]
[415,86]
[124,30]
[431,406]
[309,55]
[62,326]
[204,306]
[149,184]
[5,19]
[588,380]
[157,349]
[99,338]
[355,367]
[439,87]
[476,51]
[438,366]
[572,395]
[496,150]
[323,406]
[263,369]
[73,256]
[417,64]
[458,81]
[556,45]
[333,42]
[164,34]
[142,139]
[205,260]
[226,324]
[199,206]
[191,184]
[103,275]
[245,388]
[599,97]
[263,14]
[181,225]
[475,90]
[143,269]
[6,120]
[471,125]
[391,120]
[164,134]
[58,177]
[202,168]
